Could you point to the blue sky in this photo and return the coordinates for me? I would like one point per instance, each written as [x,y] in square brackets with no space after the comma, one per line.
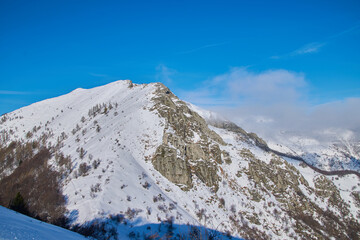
[212,53]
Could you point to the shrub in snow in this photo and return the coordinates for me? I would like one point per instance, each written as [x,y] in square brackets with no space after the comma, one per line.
[96,188]
[29,135]
[83,132]
[163,208]
[222,201]
[172,206]
[81,153]
[158,198]
[148,210]
[146,185]
[96,163]
[131,213]
[233,208]
[83,169]
[77,128]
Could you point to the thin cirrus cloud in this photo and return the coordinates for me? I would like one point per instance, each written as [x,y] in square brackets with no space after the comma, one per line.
[309,48]
[345,32]
[6,92]
[204,47]
[306,49]
[315,47]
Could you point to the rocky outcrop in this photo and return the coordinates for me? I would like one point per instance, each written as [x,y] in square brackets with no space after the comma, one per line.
[189,147]
[170,166]
[287,184]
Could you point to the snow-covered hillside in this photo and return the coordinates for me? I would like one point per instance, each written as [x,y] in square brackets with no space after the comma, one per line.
[331,149]
[14,225]
[135,157]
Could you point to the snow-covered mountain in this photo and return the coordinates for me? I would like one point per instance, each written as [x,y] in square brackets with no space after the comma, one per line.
[330,149]
[134,160]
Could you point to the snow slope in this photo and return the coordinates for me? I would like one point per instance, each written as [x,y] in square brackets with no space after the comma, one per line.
[14,225]
[112,133]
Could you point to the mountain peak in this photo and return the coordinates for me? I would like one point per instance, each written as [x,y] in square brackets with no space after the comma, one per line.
[138,152]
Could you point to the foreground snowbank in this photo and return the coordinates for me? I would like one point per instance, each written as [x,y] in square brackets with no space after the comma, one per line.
[14,225]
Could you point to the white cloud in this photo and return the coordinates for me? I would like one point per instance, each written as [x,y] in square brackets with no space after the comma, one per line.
[267,87]
[300,118]
[164,74]
[242,87]
[273,101]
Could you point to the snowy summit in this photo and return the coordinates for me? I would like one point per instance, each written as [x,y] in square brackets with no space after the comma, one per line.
[129,160]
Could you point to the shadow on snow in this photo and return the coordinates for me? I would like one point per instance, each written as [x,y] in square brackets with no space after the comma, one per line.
[118,227]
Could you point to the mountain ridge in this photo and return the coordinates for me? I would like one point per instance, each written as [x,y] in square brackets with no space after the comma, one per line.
[261,143]
[139,151]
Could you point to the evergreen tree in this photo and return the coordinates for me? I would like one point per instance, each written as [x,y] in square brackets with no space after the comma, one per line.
[18,204]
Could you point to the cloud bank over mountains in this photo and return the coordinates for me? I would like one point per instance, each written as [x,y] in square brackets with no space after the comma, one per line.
[274,101]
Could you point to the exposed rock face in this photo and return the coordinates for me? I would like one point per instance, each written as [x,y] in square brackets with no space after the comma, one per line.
[191,149]
[173,168]
[328,192]
[287,184]
[189,146]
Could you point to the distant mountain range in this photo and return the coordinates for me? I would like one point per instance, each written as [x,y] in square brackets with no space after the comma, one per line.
[330,150]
